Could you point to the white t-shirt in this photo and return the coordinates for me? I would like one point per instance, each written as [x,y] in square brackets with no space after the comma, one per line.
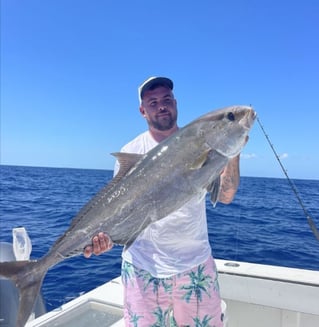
[175,243]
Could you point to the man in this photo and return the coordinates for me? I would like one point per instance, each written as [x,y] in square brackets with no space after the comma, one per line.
[168,273]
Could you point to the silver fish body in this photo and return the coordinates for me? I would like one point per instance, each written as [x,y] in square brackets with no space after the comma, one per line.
[147,188]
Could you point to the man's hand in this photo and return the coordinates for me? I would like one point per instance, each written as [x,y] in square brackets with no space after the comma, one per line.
[100,243]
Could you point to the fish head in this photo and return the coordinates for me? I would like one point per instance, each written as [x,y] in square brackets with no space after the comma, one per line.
[226,130]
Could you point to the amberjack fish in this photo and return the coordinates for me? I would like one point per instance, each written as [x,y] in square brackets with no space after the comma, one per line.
[147,188]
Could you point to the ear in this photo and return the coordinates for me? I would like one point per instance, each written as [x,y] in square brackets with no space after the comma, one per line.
[142,111]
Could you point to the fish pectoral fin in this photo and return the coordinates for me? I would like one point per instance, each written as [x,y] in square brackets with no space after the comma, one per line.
[214,189]
[200,161]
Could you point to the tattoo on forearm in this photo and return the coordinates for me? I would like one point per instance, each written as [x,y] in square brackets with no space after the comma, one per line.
[229,183]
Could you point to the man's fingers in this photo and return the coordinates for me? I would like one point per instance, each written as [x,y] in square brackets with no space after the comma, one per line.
[96,245]
[87,251]
[100,244]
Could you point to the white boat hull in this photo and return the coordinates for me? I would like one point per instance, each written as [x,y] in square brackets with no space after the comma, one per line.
[255,295]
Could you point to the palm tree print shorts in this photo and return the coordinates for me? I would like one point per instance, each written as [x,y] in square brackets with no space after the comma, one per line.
[187,299]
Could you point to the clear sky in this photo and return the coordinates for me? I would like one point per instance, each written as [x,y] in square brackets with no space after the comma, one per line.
[70,71]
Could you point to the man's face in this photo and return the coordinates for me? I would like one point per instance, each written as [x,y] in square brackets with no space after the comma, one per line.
[159,108]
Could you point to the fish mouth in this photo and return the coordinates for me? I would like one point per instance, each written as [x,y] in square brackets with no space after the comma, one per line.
[249,118]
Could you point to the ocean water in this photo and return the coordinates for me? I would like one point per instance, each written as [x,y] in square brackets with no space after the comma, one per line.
[264,224]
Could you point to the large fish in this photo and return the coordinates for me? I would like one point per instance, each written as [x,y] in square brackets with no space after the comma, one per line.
[147,188]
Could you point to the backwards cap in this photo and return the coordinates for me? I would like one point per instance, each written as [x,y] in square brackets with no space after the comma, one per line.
[151,82]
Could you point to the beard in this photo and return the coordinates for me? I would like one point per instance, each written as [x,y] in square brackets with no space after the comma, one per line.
[163,122]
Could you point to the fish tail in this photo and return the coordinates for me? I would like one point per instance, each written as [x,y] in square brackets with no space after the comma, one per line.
[28,277]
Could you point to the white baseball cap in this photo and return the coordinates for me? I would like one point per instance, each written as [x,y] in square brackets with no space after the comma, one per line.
[151,82]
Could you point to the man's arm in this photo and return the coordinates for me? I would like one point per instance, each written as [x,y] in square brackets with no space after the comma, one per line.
[229,181]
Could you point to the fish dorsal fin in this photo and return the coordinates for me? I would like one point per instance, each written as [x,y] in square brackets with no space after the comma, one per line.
[126,161]
[214,189]
[199,162]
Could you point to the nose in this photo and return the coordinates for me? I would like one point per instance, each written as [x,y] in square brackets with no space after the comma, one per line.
[162,106]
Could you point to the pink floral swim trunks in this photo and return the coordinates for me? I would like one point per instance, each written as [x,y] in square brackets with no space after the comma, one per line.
[187,299]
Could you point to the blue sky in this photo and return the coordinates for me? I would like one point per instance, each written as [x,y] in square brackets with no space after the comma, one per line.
[70,71]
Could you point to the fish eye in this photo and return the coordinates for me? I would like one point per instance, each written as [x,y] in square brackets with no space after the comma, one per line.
[231,116]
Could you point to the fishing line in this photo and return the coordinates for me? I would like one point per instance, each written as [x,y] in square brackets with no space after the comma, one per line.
[292,185]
